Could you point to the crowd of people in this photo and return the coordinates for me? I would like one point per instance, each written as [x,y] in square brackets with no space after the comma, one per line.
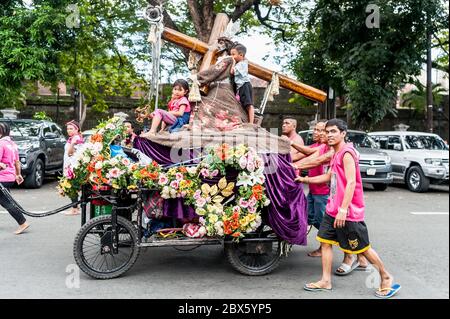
[335,199]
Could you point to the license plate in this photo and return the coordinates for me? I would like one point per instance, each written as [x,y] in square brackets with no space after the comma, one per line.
[371,171]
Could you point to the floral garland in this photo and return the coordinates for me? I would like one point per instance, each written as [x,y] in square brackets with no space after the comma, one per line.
[225,208]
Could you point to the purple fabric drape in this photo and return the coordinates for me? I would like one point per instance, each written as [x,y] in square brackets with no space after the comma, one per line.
[288,208]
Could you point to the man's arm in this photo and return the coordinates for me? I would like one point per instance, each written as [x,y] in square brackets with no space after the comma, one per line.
[301,156]
[306,150]
[315,160]
[321,179]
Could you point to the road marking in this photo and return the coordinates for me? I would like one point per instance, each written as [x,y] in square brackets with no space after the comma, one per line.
[429,213]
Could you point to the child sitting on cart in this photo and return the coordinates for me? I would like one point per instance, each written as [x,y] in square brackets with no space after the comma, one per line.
[179,110]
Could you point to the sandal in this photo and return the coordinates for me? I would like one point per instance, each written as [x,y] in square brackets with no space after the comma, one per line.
[346,269]
[315,287]
[392,291]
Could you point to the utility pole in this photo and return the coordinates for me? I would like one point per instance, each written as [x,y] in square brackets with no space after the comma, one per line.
[429,82]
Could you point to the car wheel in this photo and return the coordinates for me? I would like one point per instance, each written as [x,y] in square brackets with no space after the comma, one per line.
[380,187]
[416,180]
[36,178]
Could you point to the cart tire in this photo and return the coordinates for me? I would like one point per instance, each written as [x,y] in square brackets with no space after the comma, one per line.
[97,230]
[252,264]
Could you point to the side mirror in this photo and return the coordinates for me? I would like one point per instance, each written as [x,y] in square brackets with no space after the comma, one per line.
[397,147]
[50,135]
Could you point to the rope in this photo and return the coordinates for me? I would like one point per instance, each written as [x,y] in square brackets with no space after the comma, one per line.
[10,204]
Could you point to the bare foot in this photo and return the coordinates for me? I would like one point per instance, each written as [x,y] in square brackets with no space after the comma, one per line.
[315,253]
[21,228]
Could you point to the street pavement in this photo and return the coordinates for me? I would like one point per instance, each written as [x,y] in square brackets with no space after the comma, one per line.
[413,243]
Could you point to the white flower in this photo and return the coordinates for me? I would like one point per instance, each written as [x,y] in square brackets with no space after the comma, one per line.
[110,126]
[173,193]
[202,220]
[267,202]
[192,170]
[202,231]
[97,147]
[165,192]
[244,180]
[218,227]
[200,202]
[115,172]
[243,162]
[99,165]
[197,194]
[86,159]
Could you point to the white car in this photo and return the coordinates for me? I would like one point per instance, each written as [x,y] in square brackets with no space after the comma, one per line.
[418,159]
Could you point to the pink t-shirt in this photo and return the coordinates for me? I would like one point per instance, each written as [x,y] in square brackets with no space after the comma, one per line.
[319,189]
[174,105]
[9,154]
[338,184]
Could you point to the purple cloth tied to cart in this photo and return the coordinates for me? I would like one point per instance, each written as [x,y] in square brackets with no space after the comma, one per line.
[287,211]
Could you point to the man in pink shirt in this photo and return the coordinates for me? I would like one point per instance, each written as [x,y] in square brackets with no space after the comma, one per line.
[289,128]
[343,224]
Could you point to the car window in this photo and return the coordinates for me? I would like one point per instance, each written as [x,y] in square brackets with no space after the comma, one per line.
[361,140]
[24,128]
[393,140]
[424,142]
[46,130]
[382,140]
[56,130]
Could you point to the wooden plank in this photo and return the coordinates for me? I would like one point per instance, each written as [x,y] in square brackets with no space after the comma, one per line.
[254,69]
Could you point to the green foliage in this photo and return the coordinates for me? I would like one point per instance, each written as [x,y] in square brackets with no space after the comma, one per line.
[42,116]
[417,98]
[367,65]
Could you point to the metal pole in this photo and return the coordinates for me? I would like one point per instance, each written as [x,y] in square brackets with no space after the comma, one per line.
[429,82]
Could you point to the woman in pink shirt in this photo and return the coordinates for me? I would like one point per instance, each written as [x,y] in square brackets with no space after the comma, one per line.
[10,170]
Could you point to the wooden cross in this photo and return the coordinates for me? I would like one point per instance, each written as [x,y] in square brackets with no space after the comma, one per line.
[209,51]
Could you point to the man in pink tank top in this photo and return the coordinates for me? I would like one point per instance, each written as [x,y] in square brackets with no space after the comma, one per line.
[343,224]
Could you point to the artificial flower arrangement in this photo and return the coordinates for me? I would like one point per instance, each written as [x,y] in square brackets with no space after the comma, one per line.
[226,208]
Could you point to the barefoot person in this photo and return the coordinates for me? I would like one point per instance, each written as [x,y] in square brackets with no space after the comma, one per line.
[10,170]
[343,224]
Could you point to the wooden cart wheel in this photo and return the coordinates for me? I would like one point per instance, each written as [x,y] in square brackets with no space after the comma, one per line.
[93,248]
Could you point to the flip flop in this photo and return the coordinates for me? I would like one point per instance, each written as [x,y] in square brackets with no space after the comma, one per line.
[392,291]
[315,287]
[346,268]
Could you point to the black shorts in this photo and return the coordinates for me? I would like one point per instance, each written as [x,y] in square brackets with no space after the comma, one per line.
[246,94]
[353,238]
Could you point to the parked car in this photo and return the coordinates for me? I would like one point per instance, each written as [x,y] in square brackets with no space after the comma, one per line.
[374,164]
[418,159]
[41,148]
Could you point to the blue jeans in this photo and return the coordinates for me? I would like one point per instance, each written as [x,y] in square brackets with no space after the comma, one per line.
[316,209]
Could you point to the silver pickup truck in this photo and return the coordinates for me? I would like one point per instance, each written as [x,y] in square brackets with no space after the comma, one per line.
[418,159]
[374,164]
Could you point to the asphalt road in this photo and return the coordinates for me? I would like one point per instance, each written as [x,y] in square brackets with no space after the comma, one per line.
[414,246]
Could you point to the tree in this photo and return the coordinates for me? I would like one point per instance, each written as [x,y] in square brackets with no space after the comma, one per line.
[417,98]
[368,65]
[30,40]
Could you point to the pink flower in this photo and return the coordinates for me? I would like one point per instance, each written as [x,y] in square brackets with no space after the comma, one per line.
[163,180]
[236,209]
[175,184]
[115,172]
[126,161]
[243,203]
[252,202]
[197,194]
[215,173]
[251,167]
[179,176]
[69,173]
[252,210]
[204,172]
[200,202]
